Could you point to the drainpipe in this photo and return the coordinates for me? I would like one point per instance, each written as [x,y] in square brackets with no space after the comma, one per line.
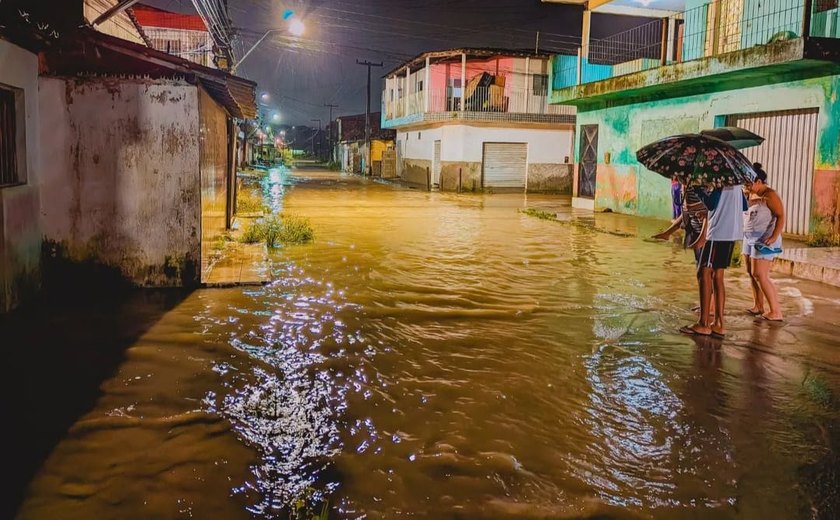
[806,19]
[426,87]
[463,78]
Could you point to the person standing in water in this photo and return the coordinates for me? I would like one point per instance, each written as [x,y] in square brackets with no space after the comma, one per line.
[763,224]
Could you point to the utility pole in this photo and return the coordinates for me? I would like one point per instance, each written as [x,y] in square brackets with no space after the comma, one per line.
[317,136]
[329,136]
[368,64]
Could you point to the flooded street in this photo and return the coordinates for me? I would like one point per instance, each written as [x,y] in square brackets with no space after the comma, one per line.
[437,356]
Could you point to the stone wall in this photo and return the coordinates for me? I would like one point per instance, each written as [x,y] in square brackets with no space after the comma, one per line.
[120,186]
[550,178]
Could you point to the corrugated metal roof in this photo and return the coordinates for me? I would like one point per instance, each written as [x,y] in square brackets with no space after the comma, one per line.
[149,16]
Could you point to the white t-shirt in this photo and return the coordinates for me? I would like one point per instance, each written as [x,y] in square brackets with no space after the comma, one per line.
[726,214]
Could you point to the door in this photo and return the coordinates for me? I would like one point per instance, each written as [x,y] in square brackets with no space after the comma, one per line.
[504,165]
[787,155]
[436,165]
[588,166]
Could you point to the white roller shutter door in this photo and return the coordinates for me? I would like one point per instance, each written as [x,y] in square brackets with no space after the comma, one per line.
[505,164]
[787,155]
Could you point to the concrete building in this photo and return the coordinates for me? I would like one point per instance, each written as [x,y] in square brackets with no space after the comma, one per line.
[770,67]
[350,143]
[118,158]
[476,119]
[182,35]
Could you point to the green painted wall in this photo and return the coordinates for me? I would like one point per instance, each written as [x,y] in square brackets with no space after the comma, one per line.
[624,186]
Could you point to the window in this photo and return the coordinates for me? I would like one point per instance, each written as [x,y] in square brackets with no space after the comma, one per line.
[12,137]
[540,85]
[419,86]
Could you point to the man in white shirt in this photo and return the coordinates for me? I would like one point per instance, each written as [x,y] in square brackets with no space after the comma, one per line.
[725,225]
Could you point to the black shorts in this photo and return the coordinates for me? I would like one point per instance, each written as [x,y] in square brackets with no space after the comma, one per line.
[716,254]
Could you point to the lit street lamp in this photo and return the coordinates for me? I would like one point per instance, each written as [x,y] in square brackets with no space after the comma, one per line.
[295,27]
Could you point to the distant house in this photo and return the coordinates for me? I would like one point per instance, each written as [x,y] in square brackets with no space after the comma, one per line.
[770,67]
[182,35]
[112,154]
[350,143]
[478,119]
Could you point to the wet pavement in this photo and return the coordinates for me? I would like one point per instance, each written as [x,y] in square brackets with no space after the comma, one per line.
[430,355]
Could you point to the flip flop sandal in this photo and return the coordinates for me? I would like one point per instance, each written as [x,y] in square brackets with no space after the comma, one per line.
[717,335]
[686,329]
[765,318]
[754,313]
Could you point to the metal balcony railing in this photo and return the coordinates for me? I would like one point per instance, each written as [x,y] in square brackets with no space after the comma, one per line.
[484,100]
[716,28]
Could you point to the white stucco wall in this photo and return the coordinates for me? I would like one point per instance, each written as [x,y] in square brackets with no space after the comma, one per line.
[466,143]
[121,178]
[20,230]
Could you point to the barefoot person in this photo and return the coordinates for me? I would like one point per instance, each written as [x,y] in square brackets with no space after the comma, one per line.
[725,225]
[763,224]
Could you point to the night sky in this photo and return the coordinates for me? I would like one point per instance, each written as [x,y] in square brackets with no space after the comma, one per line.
[302,75]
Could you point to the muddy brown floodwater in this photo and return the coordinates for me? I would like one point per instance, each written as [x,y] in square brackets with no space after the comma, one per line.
[435,356]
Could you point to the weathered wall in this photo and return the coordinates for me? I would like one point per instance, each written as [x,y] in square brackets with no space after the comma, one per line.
[414,171]
[20,230]
[460,175]
[550,178]
[120,187]
[213,165]
[624,186]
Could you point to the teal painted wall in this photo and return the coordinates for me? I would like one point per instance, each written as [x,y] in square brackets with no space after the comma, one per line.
[624,186]
[763,18]
[694,40]
[564,71]
[826,24]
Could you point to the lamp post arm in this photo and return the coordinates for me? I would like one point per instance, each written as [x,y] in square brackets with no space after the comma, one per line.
[264,36]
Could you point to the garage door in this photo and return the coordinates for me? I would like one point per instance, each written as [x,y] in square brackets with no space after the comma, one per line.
[787,155]
[504,165]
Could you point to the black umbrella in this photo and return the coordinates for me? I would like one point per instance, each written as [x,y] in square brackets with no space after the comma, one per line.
[697,159]
[737,137]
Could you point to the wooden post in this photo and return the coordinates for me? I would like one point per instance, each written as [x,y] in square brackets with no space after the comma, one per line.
[663,50]
[459,180]
[426,86]
[463,78]
[806,18]
[428,179]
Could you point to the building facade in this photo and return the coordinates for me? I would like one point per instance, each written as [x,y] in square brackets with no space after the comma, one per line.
[350,143]
[769,67]
[478,119]
[182,35]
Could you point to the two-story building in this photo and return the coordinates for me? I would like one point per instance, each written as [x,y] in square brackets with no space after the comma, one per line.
[476,119]
[772,67]
[182,35]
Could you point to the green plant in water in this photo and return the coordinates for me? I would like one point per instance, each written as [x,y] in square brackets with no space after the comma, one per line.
[247,202]
[539,213]
[277,230]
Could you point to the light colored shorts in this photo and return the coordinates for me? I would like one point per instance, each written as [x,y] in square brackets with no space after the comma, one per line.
[749,249]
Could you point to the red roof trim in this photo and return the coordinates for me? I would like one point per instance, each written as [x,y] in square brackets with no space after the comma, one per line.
[148,16]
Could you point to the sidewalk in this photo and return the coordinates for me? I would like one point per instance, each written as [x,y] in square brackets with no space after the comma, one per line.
[820,264]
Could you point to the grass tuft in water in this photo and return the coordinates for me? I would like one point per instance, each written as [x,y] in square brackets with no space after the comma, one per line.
[538,213]
[249,203]
[276,231]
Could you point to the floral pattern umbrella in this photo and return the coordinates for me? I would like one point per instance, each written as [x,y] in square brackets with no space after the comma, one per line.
[695,159]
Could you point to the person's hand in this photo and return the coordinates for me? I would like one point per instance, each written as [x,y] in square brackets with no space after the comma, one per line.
[769,241]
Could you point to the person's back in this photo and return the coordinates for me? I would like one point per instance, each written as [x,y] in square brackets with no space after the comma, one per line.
[726,208]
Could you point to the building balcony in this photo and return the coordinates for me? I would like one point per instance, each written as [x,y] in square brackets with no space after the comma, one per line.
[717,44]
[487,104]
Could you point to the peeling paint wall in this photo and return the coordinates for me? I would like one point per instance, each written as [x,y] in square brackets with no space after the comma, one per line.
[120,184]
[623,185]
[20,230]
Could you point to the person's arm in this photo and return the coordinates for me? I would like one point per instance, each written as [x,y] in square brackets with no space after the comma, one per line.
[774,204]
[675,225]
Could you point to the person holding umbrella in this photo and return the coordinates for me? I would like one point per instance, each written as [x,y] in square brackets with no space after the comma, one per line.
[717,167]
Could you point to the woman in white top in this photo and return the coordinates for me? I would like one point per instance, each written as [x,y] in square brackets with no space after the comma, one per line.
[763,224]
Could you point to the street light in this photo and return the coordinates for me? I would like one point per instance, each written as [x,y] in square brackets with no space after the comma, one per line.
[295,27]
[275,117]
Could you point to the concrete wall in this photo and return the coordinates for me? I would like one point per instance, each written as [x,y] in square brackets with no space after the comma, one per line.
[120,187]
[20,230]
[624,186]
[213,165]
[462,147]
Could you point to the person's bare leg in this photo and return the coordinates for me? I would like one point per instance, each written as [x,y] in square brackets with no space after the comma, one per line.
[758,296]
[705,285]
[720,301]
[762,271]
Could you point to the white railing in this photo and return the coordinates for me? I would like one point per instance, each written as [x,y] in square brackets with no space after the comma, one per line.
[495,99]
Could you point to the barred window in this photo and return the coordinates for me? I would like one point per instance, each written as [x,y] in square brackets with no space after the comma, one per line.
[540,84]
[12,137]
